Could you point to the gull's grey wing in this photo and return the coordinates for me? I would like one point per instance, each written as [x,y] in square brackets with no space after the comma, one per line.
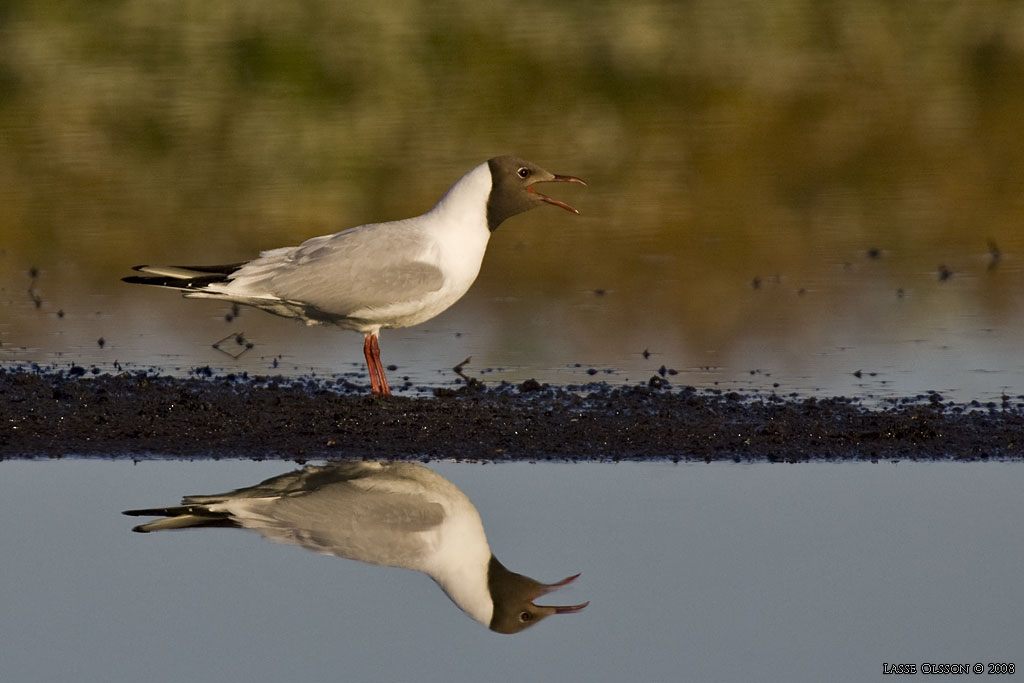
[363,268]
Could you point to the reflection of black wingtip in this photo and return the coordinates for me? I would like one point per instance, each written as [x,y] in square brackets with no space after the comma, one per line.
[180,517]
[151,512]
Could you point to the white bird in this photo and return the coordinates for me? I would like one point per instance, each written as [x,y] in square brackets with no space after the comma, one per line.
[378,275]
[393,514]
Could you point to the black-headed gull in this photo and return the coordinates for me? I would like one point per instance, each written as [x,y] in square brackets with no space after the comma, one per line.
[377,275]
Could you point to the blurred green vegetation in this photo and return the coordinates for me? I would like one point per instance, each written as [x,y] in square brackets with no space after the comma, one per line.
[733,139]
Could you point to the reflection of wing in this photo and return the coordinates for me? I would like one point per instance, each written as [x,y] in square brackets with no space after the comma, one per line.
[381,514]
[305,480]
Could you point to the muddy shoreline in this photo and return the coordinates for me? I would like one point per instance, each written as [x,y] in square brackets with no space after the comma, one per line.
[46,414]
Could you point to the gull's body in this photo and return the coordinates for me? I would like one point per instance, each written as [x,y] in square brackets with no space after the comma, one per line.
[392,514]
[378,275]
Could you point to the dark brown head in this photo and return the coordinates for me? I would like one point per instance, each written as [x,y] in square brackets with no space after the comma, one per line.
[512,188]
[513,595]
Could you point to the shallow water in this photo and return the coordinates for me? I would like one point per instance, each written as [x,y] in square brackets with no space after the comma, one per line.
[699,572]
[774,191]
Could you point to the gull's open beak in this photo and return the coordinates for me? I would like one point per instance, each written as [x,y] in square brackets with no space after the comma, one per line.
[548,588]
[555,202]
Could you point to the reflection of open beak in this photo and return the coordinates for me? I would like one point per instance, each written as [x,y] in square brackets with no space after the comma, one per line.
[547,588]
[559,179]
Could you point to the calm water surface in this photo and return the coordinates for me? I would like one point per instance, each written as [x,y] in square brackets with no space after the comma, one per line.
[786,193]
[694,572]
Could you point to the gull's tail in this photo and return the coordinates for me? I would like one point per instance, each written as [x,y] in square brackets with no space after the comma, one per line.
[181,517]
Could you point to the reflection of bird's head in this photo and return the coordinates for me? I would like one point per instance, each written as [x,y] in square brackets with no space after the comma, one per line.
[513,595]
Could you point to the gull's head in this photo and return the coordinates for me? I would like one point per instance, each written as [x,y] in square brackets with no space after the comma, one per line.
[514,594]
[513,188]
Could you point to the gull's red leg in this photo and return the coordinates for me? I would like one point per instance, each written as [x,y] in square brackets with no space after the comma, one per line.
[382,379]
[368,344]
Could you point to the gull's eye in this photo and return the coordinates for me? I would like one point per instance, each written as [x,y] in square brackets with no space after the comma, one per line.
[525,616]
[523,173]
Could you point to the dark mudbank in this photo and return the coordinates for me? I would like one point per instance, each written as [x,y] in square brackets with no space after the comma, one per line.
[76,413]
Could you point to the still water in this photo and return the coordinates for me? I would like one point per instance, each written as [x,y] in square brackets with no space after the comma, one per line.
[823,196]
[693,572]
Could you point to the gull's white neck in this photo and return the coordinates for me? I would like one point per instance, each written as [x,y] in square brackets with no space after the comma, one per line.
[468,196]
[461,563]
[458,222]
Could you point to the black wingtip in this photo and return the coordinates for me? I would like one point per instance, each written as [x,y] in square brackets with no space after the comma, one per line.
[203,276]
[175,282]
[137,279]
[157,280]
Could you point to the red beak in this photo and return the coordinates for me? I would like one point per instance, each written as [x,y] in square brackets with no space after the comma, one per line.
[555,202]
[548,588]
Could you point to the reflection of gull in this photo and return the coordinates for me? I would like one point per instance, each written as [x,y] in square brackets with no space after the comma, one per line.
[393,274]
[394,514]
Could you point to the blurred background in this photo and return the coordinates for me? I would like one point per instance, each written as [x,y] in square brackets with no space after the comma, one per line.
[820,197]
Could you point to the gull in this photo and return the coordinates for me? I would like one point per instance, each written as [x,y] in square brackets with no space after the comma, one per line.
[392,514]
[378,275]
